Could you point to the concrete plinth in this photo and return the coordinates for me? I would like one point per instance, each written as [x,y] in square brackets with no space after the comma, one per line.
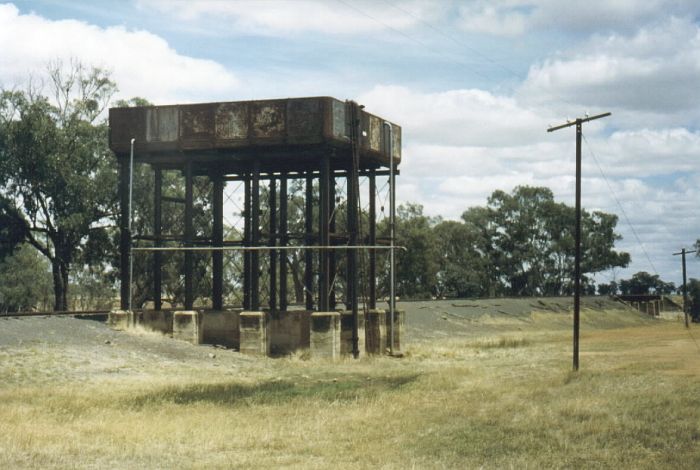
[187,326]
[254,336]
[120,319]
[399,316]
[375,332]
[325,334]
[289,331]
[156,320]
[346,332]
[222,327]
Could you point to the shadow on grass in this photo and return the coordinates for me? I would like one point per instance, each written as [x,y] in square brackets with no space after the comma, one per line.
[273,392]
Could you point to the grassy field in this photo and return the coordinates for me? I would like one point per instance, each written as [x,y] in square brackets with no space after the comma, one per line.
[503,398]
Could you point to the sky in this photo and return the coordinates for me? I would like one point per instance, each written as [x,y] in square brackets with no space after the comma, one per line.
[474,85]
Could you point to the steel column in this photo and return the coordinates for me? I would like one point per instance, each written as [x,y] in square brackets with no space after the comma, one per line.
[246,241]
[255,238]
[217,257]
[124,233]
[272,209]
[353,188]
[308,254]
[332,271]
[372,240]
[283,240]
[189,235]
[157,237]
[323,219]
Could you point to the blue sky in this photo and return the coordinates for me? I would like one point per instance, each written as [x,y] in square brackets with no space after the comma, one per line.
[474,85]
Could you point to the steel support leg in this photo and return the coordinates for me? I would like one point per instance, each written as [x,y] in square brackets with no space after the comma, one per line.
[372,275]
[189,235]
[217,257]
[255,238]
[157,232]
[272,207]
[246,241]
[324,218]
[308,254]
[283,241]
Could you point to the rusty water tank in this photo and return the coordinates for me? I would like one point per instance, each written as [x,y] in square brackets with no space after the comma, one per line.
[281,131]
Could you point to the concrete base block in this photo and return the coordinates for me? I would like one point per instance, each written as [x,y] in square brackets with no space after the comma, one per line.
[187,326]
[289,331]
[346,332]
[222,327]
[254,336]
[120,319]
[399,316]
[375,332]
[325,334]
[156,320]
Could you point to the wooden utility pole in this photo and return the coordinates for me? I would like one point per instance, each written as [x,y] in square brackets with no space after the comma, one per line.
[683,252]
[577,234]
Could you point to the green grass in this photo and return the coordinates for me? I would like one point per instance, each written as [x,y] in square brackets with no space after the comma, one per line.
[508,401]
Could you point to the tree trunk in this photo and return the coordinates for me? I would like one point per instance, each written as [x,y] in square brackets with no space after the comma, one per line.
[60,285]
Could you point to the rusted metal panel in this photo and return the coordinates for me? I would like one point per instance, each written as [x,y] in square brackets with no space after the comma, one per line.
[269,119]
[232,121]
[197,126]
[287,127]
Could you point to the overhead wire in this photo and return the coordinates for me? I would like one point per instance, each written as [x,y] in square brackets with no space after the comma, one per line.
[617,201]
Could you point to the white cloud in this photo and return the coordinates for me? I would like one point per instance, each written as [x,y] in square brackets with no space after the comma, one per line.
[654,71]
[515,17]
[301,16]
[142,63]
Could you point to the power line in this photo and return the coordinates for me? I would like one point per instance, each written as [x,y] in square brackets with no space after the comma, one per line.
[622,209]
[453,39]
[411,38]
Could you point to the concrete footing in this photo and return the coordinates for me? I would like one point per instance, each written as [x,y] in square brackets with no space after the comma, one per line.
[375,332]
[187,326]
[254,335]
[325,335]
[222,328]
[346,332]
[120,319]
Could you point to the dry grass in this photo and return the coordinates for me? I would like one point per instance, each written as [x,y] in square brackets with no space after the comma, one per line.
[507,401]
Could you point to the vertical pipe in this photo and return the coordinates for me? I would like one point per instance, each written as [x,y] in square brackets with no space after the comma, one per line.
[685,290]
[577,235]
[158,232]
[323,281]
[392,236]
[272,208]
[372,240]
[246,241]
[217,256]
[124,233]
[308,254]
[255,238]
[283,242]
[189,235]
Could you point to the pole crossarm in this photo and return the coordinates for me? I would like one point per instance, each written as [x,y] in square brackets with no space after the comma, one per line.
[686,252]
[577,121]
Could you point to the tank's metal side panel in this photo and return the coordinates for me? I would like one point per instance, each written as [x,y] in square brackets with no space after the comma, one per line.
[268,119]
[305,120]
[162,124]
[197,126]
[396,144]
[232,122]
[338,120]
[375,133]
[125,124]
